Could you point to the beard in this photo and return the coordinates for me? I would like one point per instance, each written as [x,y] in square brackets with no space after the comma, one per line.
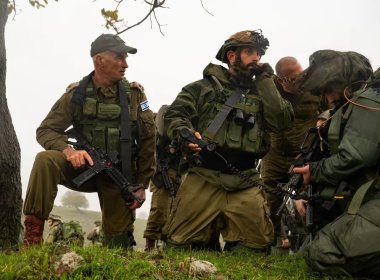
[244,72]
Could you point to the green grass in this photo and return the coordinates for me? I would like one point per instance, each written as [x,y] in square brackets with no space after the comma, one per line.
[103,263]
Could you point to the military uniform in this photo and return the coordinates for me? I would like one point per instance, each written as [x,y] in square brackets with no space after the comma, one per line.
[211,194]
[51,167]
[350,243]
[54,229]
[161,195]
[96,236]
[285,146]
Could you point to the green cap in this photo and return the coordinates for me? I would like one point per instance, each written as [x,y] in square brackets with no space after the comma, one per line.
[110,42]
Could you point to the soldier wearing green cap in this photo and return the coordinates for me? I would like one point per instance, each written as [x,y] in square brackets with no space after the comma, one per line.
[349,175]
[114,115]
[234,108]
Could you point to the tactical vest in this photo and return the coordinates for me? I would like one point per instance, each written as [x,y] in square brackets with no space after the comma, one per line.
[245,135]
[100,122]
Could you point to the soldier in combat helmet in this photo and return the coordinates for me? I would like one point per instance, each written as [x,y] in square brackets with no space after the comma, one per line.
[234,108]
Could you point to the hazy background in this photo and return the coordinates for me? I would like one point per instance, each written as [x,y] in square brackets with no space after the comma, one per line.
[48,49]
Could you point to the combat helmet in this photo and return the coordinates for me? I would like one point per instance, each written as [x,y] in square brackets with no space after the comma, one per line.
[246,38]
[55,217]
[332,70]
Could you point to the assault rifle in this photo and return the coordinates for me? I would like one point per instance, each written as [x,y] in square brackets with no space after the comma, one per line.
[308,152]
[103,162]
[162,169]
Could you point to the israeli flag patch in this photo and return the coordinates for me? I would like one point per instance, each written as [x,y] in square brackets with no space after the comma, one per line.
[144,105]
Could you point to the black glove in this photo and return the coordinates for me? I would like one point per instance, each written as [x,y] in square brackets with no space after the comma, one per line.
[264,69]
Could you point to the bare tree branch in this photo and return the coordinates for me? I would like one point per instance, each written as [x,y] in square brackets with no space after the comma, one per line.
[204,8]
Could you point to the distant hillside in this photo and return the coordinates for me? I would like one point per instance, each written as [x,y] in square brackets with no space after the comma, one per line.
[87,218]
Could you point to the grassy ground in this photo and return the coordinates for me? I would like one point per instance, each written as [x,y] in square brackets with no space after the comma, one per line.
[103,263]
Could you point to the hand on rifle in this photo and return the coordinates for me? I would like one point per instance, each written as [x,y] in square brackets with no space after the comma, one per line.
[195,147]
[305,172]
[301,206]
[77,158]
[140,193]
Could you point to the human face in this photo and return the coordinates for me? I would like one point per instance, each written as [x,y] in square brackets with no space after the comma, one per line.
[287,80]
[49,222]
[245,62]
[112,66]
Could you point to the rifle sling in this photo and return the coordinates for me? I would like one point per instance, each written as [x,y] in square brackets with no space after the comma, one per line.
[220,117]
[125,133]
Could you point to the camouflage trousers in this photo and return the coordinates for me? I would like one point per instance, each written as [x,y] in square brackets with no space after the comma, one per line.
[240,216]
[51,169]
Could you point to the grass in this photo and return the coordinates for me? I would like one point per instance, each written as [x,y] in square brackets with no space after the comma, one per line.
[104,263]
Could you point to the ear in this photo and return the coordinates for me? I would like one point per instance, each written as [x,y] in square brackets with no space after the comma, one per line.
[231,56]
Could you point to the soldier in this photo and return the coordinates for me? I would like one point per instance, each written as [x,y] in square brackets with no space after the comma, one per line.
[96,236]
[54,222]
[284,146]
[234,110]
[163,184]
[113,115]
[350,243]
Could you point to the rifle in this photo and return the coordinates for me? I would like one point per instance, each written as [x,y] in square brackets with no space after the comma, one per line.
[162,169]
[103,162]
[315,151]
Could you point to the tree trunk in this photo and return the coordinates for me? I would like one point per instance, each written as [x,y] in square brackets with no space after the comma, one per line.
[10,180]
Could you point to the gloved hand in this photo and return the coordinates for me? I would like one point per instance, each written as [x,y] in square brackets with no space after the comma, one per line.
[264,69]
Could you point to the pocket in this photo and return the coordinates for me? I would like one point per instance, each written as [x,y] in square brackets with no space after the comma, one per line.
[89,107]
[108,111]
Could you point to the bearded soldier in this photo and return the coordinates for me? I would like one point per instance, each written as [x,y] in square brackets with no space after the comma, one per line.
[233,110]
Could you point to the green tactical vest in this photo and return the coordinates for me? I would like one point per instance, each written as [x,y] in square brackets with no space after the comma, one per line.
[231,135]
[100,122]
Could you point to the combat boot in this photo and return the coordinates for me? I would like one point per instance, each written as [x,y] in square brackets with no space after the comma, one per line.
[34,228]
[150,244]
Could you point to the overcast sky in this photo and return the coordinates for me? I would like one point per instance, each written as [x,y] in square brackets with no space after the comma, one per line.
[48,49]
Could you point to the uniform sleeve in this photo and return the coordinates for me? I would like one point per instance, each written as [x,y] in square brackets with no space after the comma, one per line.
[182,112]
[50,133]
[278,112]
[358,149]
[146,161]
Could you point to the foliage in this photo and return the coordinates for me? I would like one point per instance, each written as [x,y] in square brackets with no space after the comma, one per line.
[103,263]
[74,199]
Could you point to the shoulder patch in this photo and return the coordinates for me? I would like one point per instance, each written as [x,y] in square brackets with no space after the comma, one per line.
[72,86]
[138,86]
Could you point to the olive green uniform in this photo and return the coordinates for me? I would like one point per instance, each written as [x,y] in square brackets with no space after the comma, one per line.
[53,232]
[159,211]
[285,146]
[211,194]
[51,167]
[161,197]
[349,244]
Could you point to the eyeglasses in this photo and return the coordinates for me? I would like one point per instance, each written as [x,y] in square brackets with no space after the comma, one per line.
[287,80]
